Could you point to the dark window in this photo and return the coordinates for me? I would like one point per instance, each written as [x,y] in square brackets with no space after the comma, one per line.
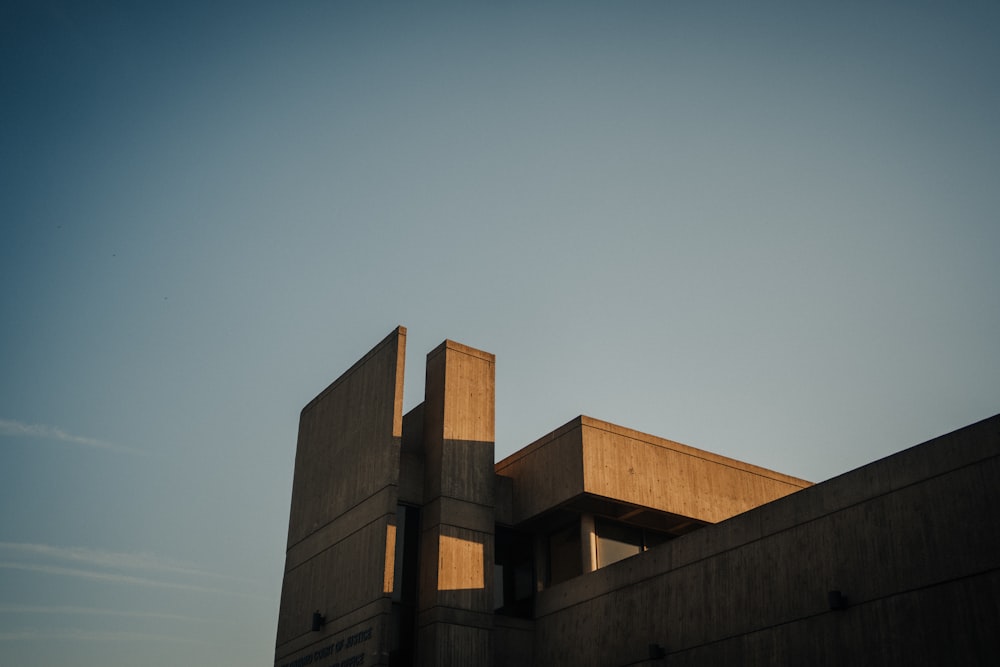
[514,573]
[404,589]
[565,554]
[404,578]
[618,541]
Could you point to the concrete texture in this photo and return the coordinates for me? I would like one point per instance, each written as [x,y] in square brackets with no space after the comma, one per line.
[393,534]
[344,498]
[455,607]
[911,541]
[592,457]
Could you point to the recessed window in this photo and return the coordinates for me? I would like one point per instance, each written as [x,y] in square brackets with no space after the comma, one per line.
[616,541]
[514,573]
[564,554]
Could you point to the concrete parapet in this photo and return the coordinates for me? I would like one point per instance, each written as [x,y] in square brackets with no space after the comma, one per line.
[911,543]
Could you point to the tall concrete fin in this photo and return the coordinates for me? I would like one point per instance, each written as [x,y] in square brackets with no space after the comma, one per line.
[344,500]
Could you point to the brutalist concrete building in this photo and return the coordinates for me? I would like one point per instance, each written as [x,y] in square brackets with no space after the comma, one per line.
[600,545]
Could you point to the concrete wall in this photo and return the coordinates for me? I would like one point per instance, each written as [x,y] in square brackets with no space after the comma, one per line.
[546,473]
[513,641]
[912,541]
[341,534]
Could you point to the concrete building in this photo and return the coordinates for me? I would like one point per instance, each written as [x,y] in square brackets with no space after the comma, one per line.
[600,545]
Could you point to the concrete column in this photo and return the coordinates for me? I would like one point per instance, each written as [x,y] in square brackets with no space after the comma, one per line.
[455,602]
[588,543]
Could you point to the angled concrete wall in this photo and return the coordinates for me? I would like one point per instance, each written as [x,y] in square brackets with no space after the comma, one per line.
[344,498]
[912,542]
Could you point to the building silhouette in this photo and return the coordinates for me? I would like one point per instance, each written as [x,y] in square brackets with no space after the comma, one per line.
[600,545]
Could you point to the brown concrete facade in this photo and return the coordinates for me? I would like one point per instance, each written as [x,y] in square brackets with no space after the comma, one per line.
[344,502]
[455,602]
[601,545]
[390,540]
[592,458]
[911,542]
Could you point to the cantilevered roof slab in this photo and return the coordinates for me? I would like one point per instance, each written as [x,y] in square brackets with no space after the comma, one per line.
[592,463]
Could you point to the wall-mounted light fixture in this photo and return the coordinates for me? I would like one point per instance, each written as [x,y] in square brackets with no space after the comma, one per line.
[836,600]
[318,621]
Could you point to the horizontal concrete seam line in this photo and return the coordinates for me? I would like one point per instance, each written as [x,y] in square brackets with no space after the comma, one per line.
[344,513]
[326,637]
[707,459]
[463,625]
[464,610]
[487,618]
[367,604]
[514,622]
[426,525]
[830,611]
[458,500]
[485,621]
[330,546]
[431,528]
[714,554]
[484,614]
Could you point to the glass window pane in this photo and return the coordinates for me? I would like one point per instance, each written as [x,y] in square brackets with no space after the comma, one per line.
[616,541]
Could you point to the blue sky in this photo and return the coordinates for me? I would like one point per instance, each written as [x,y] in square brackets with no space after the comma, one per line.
[769,230]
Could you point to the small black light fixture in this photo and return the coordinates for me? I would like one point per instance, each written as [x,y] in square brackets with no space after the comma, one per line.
[836,600]
[318,621]
[657,652]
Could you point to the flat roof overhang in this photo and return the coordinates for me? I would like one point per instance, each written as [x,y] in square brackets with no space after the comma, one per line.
[592,466]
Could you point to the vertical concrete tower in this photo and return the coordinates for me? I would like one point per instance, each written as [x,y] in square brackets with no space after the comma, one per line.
[455,609]
[382,569]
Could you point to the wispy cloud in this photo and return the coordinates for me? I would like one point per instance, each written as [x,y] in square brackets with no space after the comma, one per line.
[88,635]
[65,610]
[118,560]
[116,567]
[117,578]
[11,428]
[112,577]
